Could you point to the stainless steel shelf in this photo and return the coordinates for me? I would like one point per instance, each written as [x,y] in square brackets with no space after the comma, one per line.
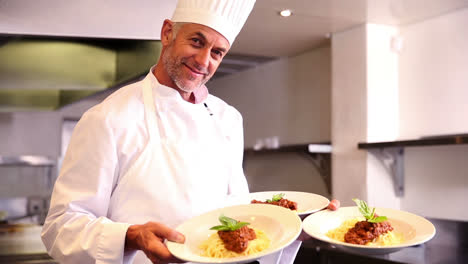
[391,153]
[318,153]
[27,160]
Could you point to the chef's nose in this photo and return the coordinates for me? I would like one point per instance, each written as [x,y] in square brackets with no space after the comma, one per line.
[203,58]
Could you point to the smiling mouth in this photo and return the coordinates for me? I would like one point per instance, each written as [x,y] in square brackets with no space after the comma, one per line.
[194,70]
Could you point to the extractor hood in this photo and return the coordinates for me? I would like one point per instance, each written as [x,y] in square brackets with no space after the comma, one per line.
[46,73]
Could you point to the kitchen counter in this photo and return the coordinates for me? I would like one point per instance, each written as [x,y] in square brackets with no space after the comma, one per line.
[22,244]
[449,245]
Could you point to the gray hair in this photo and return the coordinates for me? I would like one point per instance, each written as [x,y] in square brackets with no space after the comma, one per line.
[176,27]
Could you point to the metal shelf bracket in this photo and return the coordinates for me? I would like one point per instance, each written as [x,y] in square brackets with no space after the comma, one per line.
[322,162]
[392,159]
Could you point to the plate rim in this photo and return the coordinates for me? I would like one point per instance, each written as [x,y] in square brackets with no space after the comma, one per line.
[354,246]
[240,259]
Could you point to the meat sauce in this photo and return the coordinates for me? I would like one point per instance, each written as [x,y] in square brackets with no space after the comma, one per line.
[283,203]
[237,240]
[364,232]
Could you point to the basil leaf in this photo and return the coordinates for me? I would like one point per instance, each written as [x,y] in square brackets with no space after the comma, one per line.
[372,215]
[239,225]
[227,221]
[367,212]
[278,197]
[220,228]
[222,219]
[228,224]
[362,207]
[378,219]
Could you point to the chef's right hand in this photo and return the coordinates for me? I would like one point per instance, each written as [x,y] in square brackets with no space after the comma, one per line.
[150,239]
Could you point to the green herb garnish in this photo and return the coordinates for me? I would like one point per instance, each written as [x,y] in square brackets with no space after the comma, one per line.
[276,198]
[368,213]
[228,224]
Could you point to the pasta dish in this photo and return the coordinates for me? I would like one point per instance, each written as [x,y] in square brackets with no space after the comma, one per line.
[233,239]
[214,247]
[279,201]
[374,230]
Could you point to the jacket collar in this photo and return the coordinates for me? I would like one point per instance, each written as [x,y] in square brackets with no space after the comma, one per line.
[200,94]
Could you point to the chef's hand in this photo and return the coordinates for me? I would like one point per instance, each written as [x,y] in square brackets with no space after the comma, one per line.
[150,239]
[334,205]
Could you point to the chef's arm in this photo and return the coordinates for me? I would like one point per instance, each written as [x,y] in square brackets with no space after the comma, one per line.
[150,239]
[76,229]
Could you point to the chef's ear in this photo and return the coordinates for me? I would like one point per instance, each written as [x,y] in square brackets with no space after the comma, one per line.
[167,32]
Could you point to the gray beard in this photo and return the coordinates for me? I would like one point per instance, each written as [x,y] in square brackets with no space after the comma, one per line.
[172,68]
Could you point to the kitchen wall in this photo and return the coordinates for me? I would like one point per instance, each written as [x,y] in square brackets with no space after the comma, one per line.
[433,101]
[429,98]
[364,109]
[288,98]
[349,108]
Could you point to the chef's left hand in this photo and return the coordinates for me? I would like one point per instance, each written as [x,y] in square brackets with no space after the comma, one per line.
[333,206]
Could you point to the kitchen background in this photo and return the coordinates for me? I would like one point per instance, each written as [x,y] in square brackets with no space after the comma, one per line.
[362,76]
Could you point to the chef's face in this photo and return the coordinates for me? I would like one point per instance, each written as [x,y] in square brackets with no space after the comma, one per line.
[193,55]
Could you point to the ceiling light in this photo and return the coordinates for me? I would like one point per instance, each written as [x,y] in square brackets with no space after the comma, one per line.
[285,13]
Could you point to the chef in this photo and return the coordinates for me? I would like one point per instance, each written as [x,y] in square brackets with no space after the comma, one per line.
[154,153]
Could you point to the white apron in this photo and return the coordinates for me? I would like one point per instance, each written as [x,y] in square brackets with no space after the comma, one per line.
[171,182]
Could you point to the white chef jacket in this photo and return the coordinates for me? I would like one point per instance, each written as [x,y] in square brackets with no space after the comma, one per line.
[99,192]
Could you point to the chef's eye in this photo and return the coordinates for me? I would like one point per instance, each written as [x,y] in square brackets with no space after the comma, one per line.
[217,53]
[197,42]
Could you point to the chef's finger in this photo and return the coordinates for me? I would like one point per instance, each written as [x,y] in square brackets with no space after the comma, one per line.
[166,232]
[334,205]
[156,260]
[155,249]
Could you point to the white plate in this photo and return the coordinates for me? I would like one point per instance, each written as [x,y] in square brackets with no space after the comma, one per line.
[307,203]
[415,229]
[281,225]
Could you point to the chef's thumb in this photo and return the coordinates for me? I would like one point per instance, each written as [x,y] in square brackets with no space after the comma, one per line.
[175,236]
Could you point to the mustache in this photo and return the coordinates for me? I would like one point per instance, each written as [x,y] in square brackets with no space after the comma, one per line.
[195,66]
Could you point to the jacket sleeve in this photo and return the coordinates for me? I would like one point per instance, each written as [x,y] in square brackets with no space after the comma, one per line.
[76,229]
[237,182]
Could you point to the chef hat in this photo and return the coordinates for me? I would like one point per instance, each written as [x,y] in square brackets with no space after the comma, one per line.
[225,16]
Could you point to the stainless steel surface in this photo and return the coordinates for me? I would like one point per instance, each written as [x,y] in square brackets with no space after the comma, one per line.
[26,160]
[46,73]
[29,177]
[21,239]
